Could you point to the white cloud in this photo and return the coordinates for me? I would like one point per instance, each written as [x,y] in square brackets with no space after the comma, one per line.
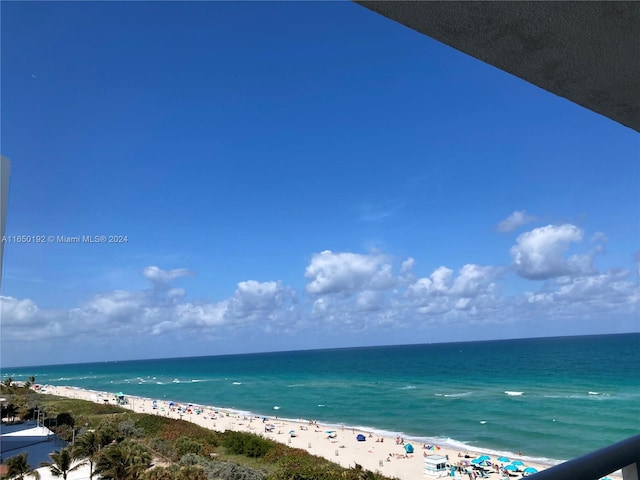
[437,282]
[538,254]
[473,280]
[157,276]
[471,293]
[407,265]
[260,303]
[515,221]
[599,296]
[347,272]
[150,312]
[15,311]
[346,294]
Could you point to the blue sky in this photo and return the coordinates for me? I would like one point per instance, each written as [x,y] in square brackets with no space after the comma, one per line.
[291,176]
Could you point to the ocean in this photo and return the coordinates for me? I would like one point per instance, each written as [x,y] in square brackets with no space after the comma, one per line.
[551,398]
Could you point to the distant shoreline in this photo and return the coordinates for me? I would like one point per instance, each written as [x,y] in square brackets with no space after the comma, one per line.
[378,452]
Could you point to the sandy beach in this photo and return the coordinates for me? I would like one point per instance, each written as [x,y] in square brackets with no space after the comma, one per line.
[387,455]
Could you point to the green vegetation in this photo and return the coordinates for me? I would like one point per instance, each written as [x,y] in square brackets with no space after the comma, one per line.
[119,444]
[18,467]
[63,462]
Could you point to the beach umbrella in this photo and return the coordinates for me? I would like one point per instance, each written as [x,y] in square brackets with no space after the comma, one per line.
[504,459]
[530,470]
[433,447]
[480,459]
[517,463]
[510,468]
[408,448]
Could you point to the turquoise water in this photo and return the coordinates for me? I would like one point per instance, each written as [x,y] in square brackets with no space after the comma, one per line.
[568,395]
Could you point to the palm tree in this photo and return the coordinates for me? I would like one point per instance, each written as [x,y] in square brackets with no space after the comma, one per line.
[7,385]
[62,463]
[18,468]
[123,461]
[87,446]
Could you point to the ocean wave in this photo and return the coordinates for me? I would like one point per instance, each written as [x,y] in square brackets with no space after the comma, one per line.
[236,383]
[581,396]
[458,445]
[513,394]
[408,387]
[453,395]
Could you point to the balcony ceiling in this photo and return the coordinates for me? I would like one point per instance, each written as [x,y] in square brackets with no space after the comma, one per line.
[587,52]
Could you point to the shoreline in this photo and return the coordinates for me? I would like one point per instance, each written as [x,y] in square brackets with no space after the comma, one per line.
[380,451]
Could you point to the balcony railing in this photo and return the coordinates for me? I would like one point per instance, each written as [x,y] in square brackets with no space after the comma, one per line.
[624,455]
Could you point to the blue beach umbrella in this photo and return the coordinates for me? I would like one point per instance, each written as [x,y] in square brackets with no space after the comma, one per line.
[517,463]
[530,470]
[504,459]
[510,468]
[480,459]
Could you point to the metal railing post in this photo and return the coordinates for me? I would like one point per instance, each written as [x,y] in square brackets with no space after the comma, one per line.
[624,455]
[630,472]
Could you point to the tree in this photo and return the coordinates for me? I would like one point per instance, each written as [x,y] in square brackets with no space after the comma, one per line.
[174,472]
[62,463]
[10,412]
[108,432]
[123,461]
[18,468]
[87,446]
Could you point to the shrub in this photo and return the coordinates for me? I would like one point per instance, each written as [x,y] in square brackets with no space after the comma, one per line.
[247,444]
[127,429]
[174,472]
[151,424]
[184,445]
[163,448]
